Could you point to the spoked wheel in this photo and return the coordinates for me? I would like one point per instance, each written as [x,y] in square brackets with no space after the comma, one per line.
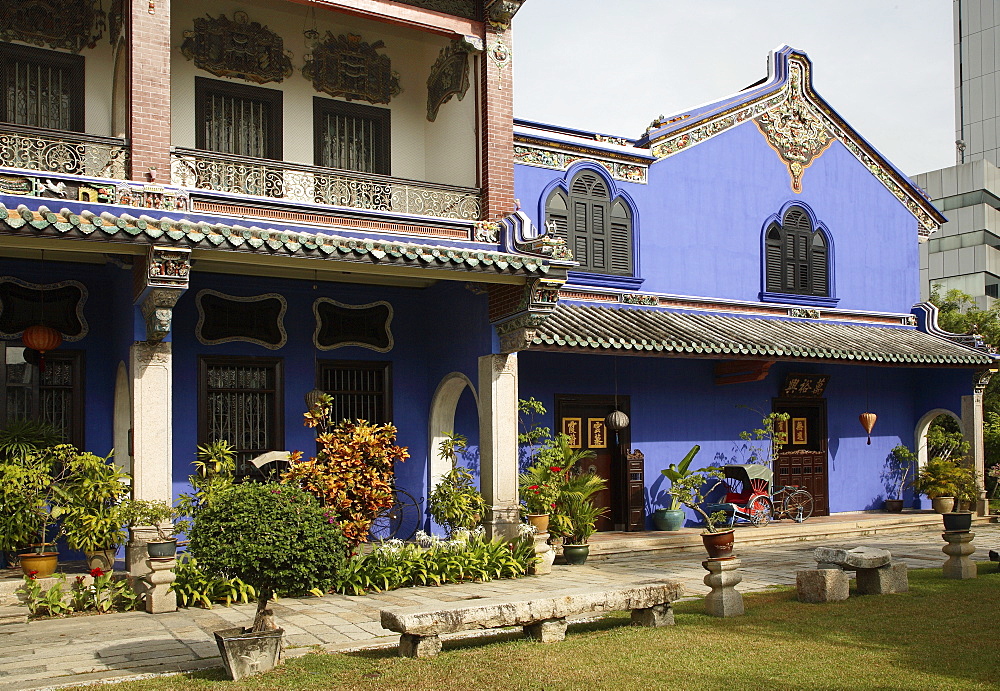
[799,505]
[760,511]
[400,520]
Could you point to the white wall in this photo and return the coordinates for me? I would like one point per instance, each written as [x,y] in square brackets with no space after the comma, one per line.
[443,151]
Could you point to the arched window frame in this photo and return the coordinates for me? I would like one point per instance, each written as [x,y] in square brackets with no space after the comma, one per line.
[777,249]
[586,274]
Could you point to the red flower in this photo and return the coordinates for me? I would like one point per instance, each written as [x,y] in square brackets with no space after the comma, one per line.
[32,574]
[533,487]
[555,469]
[96,572]
[553,505]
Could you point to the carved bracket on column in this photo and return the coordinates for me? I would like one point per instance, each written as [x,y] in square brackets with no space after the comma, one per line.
[516,322]
[518,333]
[160,281]
[981,379]
[499,13]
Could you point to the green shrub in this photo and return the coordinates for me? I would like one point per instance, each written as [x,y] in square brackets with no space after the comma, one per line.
[276,538]
[196,588]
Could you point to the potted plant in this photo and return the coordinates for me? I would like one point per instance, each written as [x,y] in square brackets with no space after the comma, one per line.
[672,517]
[938,480]
[691,492]
[576,515]
[901,462]
[92,493]
[276,538]
[455,503]
[155,513]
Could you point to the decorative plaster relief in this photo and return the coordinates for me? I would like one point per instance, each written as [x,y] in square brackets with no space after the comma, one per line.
[237,48]
[449,77]
[346,66]
[59,305]
[168,267]
[499,53]
[339,325]
[558,160]
[258,319]
[67,24]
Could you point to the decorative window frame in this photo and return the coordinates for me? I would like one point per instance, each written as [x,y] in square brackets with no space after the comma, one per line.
[346,344]
[76,64]
[818,226]
[84,294]
[380,117]
[274,98]
[615,193]
[241,339]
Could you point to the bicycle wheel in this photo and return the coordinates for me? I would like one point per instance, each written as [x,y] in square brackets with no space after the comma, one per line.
[399,520]
[799,505]
[759,509]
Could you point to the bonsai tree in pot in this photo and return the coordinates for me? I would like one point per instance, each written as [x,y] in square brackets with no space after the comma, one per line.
[900,464]
[691,491]
[278,539]
[93,493]
[155,513]
[672,517]
[455,503]
[939,481]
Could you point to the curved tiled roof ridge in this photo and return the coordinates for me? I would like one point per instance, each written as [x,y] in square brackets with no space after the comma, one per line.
[201,234]
[707,335]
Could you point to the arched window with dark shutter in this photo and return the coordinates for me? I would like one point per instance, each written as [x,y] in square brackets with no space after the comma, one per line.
[597,228]
[796,256]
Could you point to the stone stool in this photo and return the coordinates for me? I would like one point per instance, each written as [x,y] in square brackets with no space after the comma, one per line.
[959,547]
[822,585]
[723,575]
[876,573]
[159,597]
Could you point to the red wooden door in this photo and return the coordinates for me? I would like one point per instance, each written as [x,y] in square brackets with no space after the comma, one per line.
[803,459]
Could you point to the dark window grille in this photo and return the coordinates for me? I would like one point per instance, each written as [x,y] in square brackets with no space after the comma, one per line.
[360,390]
[351,136]
[597,229]
[238,119]
[796,257]
[54,396]
[41,88]
[240,401]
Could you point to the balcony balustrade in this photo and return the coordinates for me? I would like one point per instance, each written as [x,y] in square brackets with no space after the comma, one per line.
[206,170]
[57,151]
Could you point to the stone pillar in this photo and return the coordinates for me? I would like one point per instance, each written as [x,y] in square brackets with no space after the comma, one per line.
[972,430]
[151,420]
[958,565]
[723,575]
[498,443]
[159,597]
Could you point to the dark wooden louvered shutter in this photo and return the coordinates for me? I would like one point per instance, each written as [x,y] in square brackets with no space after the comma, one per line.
[773,261]
[579,245]
[621,239]
[557,215]
[820,278]
[599,231]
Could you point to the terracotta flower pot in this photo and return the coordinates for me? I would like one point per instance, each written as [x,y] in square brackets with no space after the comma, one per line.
[43,563]
[103,559]
[894,505]
[540,521]
[943,504]
[719,545]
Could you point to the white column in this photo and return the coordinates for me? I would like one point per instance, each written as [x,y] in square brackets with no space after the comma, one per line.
[151,369]
[498,442]
[972,429]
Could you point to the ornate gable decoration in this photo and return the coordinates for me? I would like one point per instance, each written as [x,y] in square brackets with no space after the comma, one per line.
[346,66]
[794,130]
[449,77]
[69,24]
[459,8]
[237,48]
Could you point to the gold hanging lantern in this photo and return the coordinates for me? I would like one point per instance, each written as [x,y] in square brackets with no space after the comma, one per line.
[868,422]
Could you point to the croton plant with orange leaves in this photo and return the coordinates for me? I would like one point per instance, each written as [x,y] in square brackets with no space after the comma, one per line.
[352,473]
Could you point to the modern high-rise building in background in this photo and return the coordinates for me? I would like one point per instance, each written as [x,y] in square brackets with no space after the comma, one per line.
[965,253]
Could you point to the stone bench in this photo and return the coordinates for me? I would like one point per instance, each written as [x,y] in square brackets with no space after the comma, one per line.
[875,572]
[542,616]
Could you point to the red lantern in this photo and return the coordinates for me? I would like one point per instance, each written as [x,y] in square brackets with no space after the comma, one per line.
[43,339]
[868,422]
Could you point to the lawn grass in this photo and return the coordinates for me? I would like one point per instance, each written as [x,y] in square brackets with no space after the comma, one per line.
[941,635]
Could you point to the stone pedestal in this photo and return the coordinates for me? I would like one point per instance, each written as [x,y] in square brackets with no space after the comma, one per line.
[660,615]
[883,580]
[829,584]
[548,631]
[545,554]
[159,598]
[959,547]
[419,646]
[723,576]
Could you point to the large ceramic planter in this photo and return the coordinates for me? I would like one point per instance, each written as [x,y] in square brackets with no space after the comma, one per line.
[245,653]
[668,519]
[894,505]
[103,559]
[540,521]
[943,504]
[42,563]
[957,521]
[161,549]
[719,545]
[576,555]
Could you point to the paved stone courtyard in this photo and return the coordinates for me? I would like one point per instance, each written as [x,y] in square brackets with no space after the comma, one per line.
[57,652]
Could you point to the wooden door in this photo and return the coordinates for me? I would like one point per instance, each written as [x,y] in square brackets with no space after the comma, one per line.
[803,459]
[583,418]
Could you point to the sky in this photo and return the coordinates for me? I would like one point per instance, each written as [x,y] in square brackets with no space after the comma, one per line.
[612,66]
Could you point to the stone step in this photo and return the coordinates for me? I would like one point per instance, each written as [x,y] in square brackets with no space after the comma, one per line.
[12,616]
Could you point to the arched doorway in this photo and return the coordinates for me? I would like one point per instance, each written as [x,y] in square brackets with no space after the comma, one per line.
[920,434]
[442,420]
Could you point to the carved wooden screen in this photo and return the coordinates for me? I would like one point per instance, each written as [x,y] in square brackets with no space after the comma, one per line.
[54,396]
[361,390]
[240,401]
[41,88]
[351,136]
[238,119]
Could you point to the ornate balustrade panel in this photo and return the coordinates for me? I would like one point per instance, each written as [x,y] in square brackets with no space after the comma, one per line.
[315,185]
[63,152]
